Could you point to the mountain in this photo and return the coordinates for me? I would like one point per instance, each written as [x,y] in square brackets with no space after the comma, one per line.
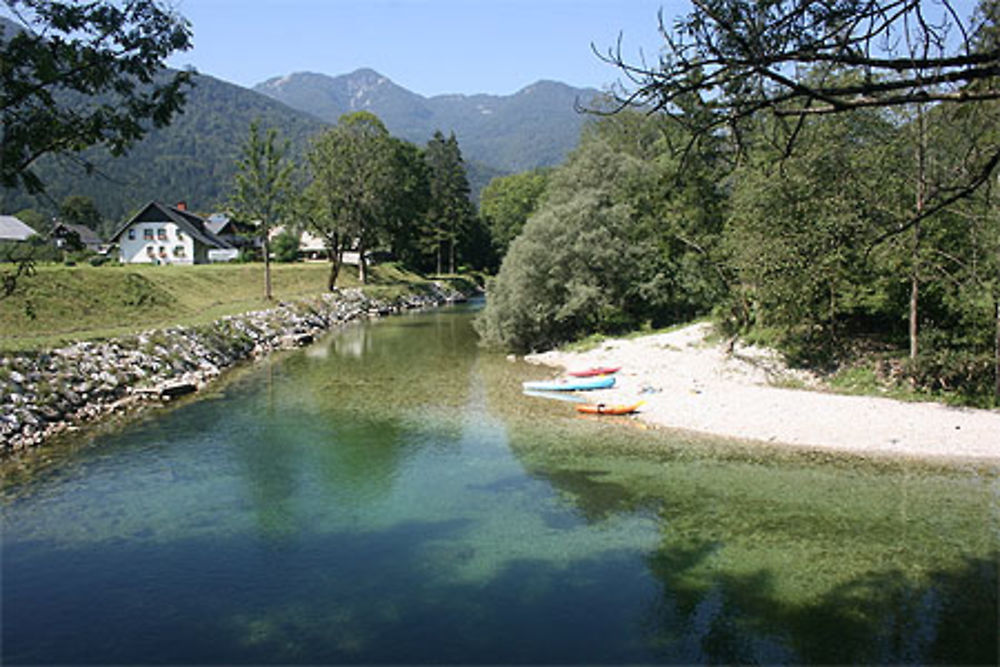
[535,127]
[193,159]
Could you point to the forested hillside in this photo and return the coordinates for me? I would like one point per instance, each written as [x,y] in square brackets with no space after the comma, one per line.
[192,160]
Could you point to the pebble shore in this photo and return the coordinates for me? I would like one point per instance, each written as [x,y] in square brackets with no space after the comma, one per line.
[692,384]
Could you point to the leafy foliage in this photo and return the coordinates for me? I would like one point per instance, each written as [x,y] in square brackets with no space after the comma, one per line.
[81,210]
[450,213]
[355,184]
[262,190]
[507,202]
[84,74]
[286,246]
[623,237]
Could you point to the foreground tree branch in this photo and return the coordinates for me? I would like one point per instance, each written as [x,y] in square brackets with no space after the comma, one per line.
[730,61]
[739,57]
[75,75]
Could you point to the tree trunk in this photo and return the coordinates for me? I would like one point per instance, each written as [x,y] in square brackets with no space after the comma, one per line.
[332,244]
[438,271]
[362,265]
[451,256]
[914,299]
[331,283]
[921,195]
[267,268]
[997,355]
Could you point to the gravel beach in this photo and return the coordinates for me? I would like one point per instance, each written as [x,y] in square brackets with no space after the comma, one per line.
[691,384]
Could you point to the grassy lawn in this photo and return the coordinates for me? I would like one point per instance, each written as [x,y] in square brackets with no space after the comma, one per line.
[86,302]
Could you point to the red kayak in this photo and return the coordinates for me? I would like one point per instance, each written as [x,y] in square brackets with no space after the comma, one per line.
[591,372]
[605,409]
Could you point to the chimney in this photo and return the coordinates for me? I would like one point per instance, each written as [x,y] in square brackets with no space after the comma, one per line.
[181,206]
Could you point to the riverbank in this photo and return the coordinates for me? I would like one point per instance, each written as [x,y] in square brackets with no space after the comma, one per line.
[45,393]
[691,384]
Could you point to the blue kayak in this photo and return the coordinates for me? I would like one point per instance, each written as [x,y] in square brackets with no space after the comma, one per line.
[572,384]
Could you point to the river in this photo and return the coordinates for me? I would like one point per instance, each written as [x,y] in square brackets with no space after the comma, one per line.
[388,495]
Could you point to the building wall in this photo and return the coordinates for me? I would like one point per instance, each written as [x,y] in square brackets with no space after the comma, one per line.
[167,245]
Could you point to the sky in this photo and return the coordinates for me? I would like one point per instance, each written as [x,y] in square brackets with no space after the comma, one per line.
[430,47]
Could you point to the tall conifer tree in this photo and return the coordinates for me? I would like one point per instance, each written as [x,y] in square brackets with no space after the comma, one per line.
[450,211]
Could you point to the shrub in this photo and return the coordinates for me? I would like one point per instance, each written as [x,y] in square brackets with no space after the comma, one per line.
[968,376]
[286,247]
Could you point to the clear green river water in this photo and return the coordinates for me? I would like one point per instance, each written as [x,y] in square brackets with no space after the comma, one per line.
[388,495]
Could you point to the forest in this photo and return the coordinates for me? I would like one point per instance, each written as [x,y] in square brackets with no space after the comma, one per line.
[847,216]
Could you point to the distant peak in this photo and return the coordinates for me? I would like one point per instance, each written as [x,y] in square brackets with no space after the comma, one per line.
[542,84]
[279,82]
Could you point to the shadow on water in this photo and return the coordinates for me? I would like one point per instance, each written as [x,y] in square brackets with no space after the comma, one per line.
[381,596]
[388,496]
[946,616]
[390,596]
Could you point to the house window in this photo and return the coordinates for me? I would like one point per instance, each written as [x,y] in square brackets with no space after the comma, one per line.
[179,251]
[150,251]
[180,235]
[163,251]
[131,235]
[147,234]
[161,234]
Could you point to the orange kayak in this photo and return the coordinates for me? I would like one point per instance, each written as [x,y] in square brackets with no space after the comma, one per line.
[605,409]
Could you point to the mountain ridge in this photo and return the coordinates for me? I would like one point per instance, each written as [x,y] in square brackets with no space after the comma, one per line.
[536,126]
[194,158]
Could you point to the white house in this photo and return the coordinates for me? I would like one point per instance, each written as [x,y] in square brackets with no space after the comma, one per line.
[161,234]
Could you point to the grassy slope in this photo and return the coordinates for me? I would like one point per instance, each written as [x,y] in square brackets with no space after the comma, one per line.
[83,302]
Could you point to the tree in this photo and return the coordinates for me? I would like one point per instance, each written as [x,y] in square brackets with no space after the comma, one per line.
[286,246]
[81,210]
[74,76]
[736,59]
[82,74]
[450,212]
[406,216]
[263,189]
[797,231]
[506,203]
[354,185]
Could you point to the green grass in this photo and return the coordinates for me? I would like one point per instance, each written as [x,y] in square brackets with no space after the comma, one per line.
[86,302]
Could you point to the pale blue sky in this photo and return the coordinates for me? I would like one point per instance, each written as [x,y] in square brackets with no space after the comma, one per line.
[428,46]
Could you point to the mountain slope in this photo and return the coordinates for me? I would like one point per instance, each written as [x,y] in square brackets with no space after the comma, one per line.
[535,127]
[193,159]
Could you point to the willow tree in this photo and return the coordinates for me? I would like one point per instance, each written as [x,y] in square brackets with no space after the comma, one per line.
[262,189]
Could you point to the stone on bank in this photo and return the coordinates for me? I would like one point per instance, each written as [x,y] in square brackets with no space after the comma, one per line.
[45,393]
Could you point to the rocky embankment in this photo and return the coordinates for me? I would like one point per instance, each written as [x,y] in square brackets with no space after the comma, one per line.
[45,393]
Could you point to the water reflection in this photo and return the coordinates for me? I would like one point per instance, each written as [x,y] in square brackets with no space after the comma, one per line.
[388,495]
